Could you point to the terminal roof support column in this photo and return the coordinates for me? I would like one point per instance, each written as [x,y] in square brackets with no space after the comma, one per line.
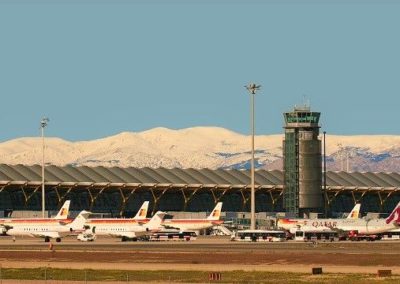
[157,196]
[330,200]
[189,197]
[274,199]
[93,197]
[360,197]
[382,200]
[125,198]
[245,199]
[62,196]
[27,196]
[4,186]
[90,195]
[220,195]
[57,193]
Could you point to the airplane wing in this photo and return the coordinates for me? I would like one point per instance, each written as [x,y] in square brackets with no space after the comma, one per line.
[4,228]
[53,235]
[135,233]
[129,235]
[170,227]
[334,229]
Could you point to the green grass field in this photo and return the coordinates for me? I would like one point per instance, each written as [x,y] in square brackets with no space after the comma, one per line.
[237,276]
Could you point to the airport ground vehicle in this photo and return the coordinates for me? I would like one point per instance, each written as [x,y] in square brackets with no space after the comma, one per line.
[173,236]
[391,235]
[259,236]
[354,235]
[314,236]
[86,237]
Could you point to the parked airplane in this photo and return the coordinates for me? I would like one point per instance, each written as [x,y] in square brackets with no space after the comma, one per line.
[140,218]
[62,215]
[355,212]
[292,225]
[46,228]
[121,229]
[355,226]
[196,224]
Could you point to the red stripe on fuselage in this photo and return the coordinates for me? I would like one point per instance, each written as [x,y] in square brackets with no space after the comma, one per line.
[188,221]
[5,221]
[117,221]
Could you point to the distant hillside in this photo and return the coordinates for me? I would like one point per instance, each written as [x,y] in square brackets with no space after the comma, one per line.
[199,147]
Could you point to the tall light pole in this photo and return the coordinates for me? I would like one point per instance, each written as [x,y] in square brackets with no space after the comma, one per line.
[325,193]
[43,124]
[252,88]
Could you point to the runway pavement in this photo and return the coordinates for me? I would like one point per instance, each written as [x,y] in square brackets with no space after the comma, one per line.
[205,253]
[202,244]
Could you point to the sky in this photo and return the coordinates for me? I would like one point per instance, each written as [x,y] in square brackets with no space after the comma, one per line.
[98,68]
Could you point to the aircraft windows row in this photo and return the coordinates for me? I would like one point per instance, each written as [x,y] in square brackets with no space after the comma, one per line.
[35,229]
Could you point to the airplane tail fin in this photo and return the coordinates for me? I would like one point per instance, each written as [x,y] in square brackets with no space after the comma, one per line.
[79,221]
[394,217]
[355,213]
[155,221]
[142,213]
[216,213]
[63,213]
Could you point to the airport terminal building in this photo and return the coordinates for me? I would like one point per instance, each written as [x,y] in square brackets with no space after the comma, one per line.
[121,191]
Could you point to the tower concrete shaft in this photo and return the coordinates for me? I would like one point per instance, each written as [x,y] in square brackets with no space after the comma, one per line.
[302,162]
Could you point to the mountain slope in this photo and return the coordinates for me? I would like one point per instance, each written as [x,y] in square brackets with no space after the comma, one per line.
[199,147]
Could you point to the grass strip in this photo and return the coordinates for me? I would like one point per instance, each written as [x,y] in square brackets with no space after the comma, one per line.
[173,276]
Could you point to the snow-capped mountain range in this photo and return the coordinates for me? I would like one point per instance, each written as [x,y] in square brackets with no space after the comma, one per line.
[199,147]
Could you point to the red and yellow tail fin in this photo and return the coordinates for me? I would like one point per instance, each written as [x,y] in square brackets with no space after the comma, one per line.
[63,213]
[216,213]
[142,213]
[355,213]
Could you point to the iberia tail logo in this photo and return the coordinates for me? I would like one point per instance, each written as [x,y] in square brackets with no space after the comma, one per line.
[64,212]
[353,214]
[142,213]
[216,213]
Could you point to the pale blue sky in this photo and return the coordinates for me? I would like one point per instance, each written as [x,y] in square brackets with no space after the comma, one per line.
[97,68]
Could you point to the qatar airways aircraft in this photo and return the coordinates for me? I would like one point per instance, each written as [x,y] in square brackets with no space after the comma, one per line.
[292,225]
[355,226]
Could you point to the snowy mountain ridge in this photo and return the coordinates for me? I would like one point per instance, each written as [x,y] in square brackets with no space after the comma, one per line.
[198,147]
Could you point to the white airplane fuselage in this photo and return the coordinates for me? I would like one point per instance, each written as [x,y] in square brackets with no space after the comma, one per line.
[116,229]
[190,224]
[45,228]
[361,226]
[125,228]
[42,228]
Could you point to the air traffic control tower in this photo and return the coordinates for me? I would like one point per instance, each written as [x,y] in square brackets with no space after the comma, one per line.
[302,163]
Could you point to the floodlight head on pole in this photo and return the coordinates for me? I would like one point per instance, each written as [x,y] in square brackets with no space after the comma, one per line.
[253,88]
[44,121]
